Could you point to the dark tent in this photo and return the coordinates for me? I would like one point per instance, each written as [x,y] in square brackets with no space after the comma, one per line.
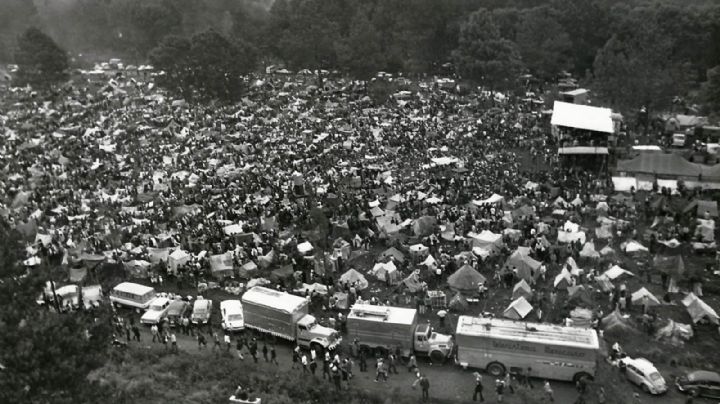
[466,279]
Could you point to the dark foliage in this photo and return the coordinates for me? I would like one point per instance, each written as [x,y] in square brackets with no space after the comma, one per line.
[41,61]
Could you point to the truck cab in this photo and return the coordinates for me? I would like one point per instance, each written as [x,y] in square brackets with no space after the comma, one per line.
[310,334]
[428,342]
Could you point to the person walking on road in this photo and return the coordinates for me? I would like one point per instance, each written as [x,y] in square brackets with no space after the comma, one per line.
[295,357]
[239,347]
[478,388]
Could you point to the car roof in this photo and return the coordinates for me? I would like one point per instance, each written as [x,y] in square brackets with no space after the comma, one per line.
[704,375]
[177,304]
[202,303]
[230,304]
[642,364]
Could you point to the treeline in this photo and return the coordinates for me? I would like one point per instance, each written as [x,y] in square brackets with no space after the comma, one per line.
[636,52]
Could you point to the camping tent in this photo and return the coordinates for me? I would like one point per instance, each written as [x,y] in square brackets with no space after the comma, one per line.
[419,251]
[615,324]
[637,297]
[699,310]
[458,302]
[466,279]
[523,289]
[518,309]
[137,268]
[634,246]
[221,264]
[385,271]
[353,276]
[615,272]
[412,282]
[674,333]
[563,280]
[424,226]
[177,259]
[579,295]
[393,252]
[589,251]
[522,264]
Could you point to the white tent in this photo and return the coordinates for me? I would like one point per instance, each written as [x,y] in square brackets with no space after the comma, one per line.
[429,261]
[637,297]
[699,310]
[589,251]
[615,272]
[493,199]
[571,227]
[633,246]
[384,270]
[563,280]
[518,309]
[353,276]
[304,247]
[568,237]
[522,289]
[177,259]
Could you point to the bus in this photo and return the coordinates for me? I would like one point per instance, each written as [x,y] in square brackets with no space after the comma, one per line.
[536,350]
[132,295]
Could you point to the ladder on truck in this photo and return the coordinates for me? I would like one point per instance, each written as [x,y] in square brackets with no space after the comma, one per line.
[371,311]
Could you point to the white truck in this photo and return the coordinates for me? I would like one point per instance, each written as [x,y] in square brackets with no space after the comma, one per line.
[286,316]
[535,349]
[384,329]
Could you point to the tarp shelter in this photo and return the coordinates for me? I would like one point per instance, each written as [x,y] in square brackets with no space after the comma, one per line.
[493,199]
[589,251]
[672,265]
[429,261]
[177,259]
[221,264]
[424,226]
[638,296]
[458,303]
[518,309]
[342,248]
[385,271]
[353,276]
[524,266]
[699,310]
[660,164]
[523,289]
[633,246]
[604,284]
[412,282]
[77,274]
[487,240]
[702,208]
[266,260]
[607,251]
[137,268]
[603,232]
[579,295]
[419,251]
[581,317]
[615,272]
[466,279]
[563,280]
[705,230]
[157,255]
[393,252]
[615,324]
[674,333]
[283,272]
[570,237]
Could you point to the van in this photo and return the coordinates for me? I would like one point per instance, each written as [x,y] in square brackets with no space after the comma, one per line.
[201,311]
[232,315]
[678,139]
[133,295]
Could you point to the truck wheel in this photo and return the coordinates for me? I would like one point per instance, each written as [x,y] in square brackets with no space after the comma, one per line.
[437,357]
[581,375]
[496,369]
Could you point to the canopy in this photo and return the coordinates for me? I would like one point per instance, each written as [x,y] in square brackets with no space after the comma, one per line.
[616,272]
[394,253]
[563,280]
[518,309]
[579,294]
[672,265]
[353,276]
[412,282]
[589,251]
[634,246]
[585,117]
[384,271]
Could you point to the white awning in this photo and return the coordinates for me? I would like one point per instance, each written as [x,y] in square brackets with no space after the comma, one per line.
[582,117]
[583,150]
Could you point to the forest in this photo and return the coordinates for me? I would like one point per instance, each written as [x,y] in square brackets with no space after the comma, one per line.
[636,52]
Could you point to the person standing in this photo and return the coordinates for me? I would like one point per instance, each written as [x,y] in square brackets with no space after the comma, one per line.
[273,355]
[265,352]
[313,367]
[499,389]
[508,382]
[228,342]
[425,386]
[478,388]
[239,346]
[363,360]
[412,363]
[295,357]
[155,333]
[549,394]
[304,362]
[173,341]
[202,342]
[379,372]
[216,343]
[136,332]
[391,364]
[326,369]
[601,395]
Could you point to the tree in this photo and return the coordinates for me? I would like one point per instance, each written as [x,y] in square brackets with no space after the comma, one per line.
[485,56]
[711,90]
[635,68]
[46,355]
[41,62]
[543,43]
[587,24]
[361,51]
[206,66]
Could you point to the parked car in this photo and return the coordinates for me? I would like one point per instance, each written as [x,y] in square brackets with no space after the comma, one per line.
[701,383]
[156,311]
[644,374]
[176,311]
[201,311]
[232,315]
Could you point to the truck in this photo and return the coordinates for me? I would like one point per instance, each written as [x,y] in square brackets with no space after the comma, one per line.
[383,329]
[288,317]
[537,350]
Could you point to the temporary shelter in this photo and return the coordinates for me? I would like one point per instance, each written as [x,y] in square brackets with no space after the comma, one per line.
[518,309]
[458,302]
[522,288]
[579,295]
[466,279]
[353,276]
[393,252]
[522,264]
[177,259]
[589,251]
[638,296]
[563,280]
[615,272]
[386,271]
[699,310]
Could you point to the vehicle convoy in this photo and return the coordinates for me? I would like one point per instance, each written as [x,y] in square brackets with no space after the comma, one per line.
[537,350]
[384,329]
[286,316]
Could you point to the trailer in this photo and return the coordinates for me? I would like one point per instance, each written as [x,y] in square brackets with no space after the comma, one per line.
[534,349]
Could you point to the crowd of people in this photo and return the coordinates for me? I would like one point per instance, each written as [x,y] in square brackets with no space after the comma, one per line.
[116,170]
